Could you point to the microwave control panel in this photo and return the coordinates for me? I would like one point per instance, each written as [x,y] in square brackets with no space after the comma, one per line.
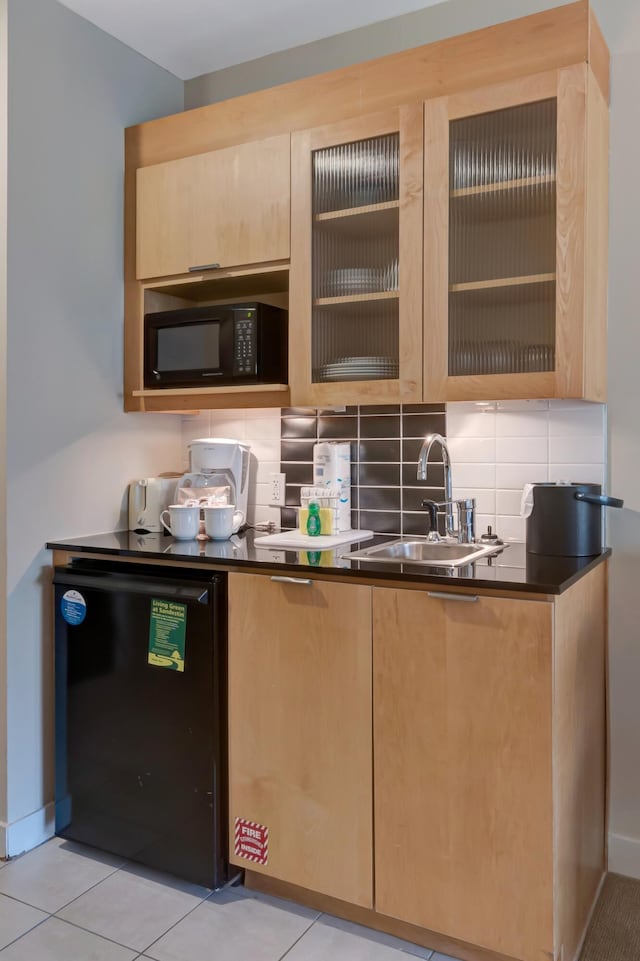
[244,361]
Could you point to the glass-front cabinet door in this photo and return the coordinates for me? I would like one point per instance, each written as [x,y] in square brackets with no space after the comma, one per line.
[355,308]
[504,265]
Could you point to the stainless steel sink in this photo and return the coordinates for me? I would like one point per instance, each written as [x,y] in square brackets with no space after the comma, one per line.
[415,550]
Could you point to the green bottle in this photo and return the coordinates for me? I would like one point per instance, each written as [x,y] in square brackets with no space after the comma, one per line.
[313,520]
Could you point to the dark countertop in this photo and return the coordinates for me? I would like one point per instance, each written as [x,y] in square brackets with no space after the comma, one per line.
[513,569]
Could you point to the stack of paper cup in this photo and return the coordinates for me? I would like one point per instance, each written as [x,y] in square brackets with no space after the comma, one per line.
[332,468]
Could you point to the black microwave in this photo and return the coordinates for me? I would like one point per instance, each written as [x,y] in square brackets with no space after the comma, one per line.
[216,346]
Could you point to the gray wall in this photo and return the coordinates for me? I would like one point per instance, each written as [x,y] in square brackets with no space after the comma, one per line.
[354,46]
[621,25]
[624,452]
[3,404]
[70,449]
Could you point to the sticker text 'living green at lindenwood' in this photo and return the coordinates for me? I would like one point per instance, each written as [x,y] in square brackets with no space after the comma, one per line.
[167,630]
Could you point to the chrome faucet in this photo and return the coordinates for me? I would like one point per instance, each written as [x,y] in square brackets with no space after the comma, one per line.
[465,531]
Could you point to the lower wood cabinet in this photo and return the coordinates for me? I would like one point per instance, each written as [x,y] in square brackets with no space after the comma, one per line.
[468,792]
[300,751]
[463,790]
[489,760]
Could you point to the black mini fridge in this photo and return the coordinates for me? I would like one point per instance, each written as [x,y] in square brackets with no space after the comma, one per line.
[140,684]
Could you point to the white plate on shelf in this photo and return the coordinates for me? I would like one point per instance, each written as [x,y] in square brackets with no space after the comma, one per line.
[358,368]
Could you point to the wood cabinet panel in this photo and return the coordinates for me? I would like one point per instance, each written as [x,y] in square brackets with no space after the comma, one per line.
[379,240]
[537,332]
[227,207]
[463,778]
[300,739]
[579,755]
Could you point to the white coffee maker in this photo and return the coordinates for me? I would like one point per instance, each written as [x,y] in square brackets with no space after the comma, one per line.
[221,463]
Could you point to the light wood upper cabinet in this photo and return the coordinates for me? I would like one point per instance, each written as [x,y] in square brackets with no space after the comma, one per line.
[228,207]
[300,751]
[515,251]
[356,262]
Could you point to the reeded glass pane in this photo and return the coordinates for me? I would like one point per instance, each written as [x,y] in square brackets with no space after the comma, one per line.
[502,241]
[356,255]
[486,330]
[355,341]
[356,174]
[355,275]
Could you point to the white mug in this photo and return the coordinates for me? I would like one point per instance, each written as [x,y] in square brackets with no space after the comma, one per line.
[221,520]
[183,521]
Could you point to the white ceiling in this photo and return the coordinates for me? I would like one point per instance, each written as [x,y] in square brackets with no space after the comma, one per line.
[191,37]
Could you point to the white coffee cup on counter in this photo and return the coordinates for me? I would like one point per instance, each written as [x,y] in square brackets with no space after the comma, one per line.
[220,520]
[183,523]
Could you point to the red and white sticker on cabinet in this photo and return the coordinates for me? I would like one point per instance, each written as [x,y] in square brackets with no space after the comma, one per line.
[251,841]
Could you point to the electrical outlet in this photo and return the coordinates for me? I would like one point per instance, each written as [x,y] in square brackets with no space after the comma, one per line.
[277,482]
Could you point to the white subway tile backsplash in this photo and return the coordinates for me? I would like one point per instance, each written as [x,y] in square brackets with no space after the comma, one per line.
[470,406]
[483,521]
[585,421]
[466,423]
[515,476]
[233,427]
[522,450]
[263,494]
[576,450]
[522,405]
[263,427]
[264,468]
[262,413]
[472,450]
[508,502]
[485,499]
[264,448]
[535,441]
[476,475]
[511,528]
[578,473]
[570,404]
[259,514]
[522,424]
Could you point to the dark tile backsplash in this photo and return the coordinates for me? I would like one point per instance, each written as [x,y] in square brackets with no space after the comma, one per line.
[337,428]
[385,441]
[300,427]
[379,425]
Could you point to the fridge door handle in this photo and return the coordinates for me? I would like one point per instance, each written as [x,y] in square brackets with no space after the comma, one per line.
[129,584]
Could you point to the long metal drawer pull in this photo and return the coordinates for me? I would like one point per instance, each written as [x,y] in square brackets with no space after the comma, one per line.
[293,580]
[199,267]
[443,596]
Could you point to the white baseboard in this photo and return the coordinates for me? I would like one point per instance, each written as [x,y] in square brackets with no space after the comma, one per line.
[624,855]
[20,836]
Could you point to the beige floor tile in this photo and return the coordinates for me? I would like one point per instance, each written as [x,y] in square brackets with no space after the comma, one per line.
[134,906]
[377,937]
[55,873]
[56,940]
[324,941]
[16,919]
[234,926]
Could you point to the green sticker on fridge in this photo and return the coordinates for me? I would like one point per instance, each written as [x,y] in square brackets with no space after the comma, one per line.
[167,630]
